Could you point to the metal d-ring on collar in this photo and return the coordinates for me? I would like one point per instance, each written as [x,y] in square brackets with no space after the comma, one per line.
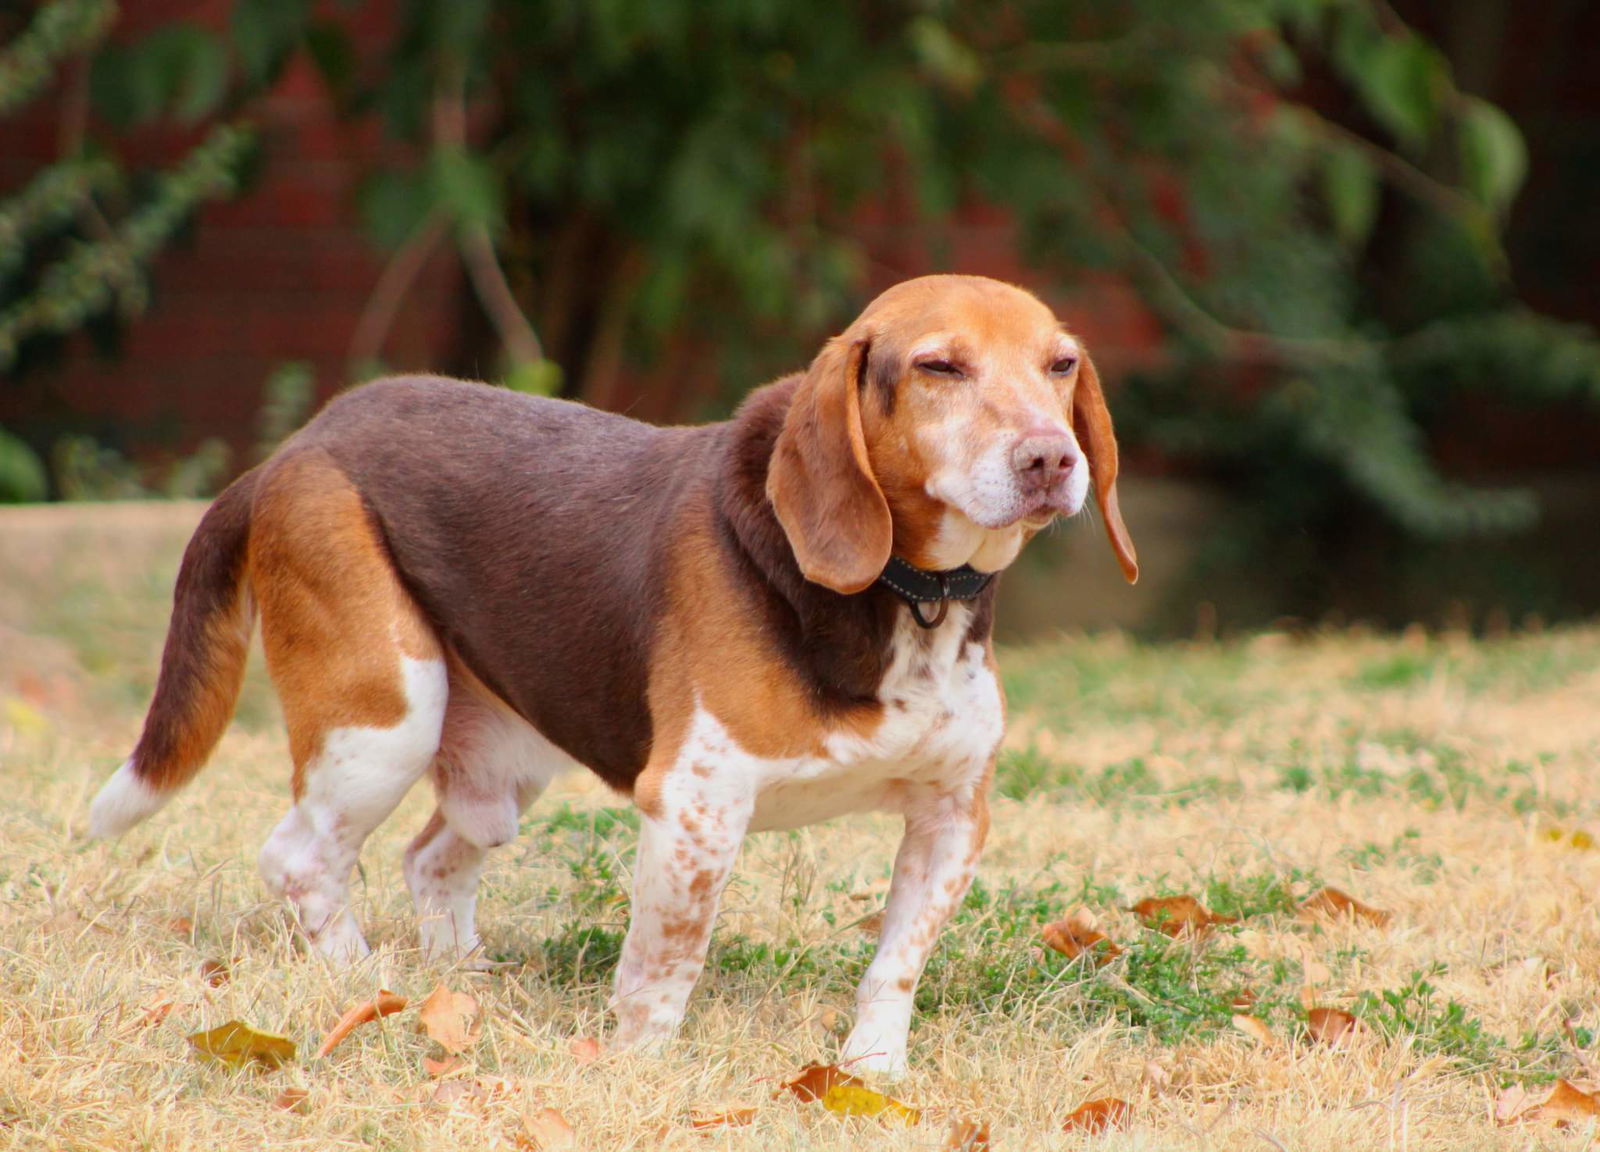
[918,586]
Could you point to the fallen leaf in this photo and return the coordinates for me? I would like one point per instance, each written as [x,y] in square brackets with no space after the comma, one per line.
[181,926]
[1255,1028]
[1072,940]
[546,1131]
[815,1080]
[967,1135]
[1331,1025]
[586,1049]
[1242,1000]
[385,1003]
[1578,840]
[1178,915]
[1099,1116]
[871,924]
[1332,904]
[451,1019]
[466,1090]
[1513,1105]
[214,972]
[1566,1105]
[156,1013]
[859,1100]
[732,1118]
[237,1044]
[437,1068]
[293,1100]
[833,1020]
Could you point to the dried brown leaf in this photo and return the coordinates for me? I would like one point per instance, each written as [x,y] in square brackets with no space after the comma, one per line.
[1566,1105]
[728,1118]
[586,1049]
[451,1019]
[293,1100]
[1072,939]
[1332,904]
[181,926]
[1255,1028]
[1178,915]
[437,1068]
[1099,1116]
[156,1013]
[546,1131]
[214,972]
[967,1135]
[1331,1026]
[872,923]
[815,1080]
[385,1003]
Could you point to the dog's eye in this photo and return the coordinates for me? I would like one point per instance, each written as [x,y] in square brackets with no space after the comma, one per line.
[1064,365]
[941,368]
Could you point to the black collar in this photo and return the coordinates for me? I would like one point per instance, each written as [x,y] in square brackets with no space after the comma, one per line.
[918,586]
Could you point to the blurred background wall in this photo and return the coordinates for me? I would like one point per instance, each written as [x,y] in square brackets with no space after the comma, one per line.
[1336,258]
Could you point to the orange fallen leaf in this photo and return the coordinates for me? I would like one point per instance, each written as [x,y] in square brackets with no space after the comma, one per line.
[1566,1105]
[1242,1000]
[156,1013]
[1332,904]
[1072,939]
[181,926]
[546,1131]
[815,1080]
[732,1118]
[586,1049]
[437,1068]
[451,1019]
[237,1044]
[293,1100]
[1099,1116]
[1178,915]
[871,924]
[859,1100]
[1255,1028]
[1331,1025]
[214,972]
[385,1003]
[967,1135]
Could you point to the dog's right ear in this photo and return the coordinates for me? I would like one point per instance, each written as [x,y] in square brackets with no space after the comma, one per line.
[820,481]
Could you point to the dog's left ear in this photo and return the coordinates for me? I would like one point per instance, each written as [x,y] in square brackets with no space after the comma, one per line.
[820,481]
[1091,423]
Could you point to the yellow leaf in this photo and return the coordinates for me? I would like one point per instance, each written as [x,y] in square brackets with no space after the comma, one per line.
[237,1044]
[855,1100]
[23,717]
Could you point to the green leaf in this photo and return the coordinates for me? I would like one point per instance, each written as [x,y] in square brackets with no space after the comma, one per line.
[393,205]
[264,32]
[334,56]
[535,377]
[467,187]
[1494,157]
[1351,188]
[22,477]
[199,72]
[1400,78]
[944,56]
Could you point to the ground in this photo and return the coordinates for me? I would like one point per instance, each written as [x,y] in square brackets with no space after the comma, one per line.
[1444,780]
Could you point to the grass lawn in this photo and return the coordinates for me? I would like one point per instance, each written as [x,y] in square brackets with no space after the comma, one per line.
[1446,781]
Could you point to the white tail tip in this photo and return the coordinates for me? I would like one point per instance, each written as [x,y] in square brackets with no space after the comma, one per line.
[124,801]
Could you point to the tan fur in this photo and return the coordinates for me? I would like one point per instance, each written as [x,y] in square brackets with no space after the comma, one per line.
[334,617]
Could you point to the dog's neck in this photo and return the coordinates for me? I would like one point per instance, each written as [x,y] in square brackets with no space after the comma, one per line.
[842,643]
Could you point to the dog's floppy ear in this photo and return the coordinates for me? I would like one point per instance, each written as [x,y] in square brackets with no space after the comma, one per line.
[820,481]
[1091,423]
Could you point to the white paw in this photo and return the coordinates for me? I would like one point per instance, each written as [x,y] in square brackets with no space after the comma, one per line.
[871,1056]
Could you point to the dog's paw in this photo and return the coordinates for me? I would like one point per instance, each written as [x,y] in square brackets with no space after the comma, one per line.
[877,1059]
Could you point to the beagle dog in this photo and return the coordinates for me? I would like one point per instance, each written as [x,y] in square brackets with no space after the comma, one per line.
[747,625]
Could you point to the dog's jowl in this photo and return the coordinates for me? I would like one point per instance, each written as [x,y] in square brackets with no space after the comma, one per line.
[748,625]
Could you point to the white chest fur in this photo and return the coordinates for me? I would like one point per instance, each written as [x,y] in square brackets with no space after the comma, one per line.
[941,722]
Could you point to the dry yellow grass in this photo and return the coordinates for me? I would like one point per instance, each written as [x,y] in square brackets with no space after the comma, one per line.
[1423,776]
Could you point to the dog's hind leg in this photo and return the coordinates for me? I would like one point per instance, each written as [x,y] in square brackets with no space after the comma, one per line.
[491,765]
[362,679]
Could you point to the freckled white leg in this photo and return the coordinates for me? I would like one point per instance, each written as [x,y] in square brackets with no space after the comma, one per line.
[932,871]
[442,871]
[350,787]
[686,855]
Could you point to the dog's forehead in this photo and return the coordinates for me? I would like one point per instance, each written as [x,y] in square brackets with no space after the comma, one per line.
[987,313]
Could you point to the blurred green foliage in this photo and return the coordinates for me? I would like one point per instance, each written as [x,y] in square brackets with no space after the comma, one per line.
[1298,188]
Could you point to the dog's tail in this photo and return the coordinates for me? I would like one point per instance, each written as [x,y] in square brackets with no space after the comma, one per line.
[201,668]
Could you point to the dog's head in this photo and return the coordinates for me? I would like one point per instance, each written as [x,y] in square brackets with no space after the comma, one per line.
[955,418]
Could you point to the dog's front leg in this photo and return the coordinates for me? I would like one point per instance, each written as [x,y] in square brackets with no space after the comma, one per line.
[686,854]
[932,872]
